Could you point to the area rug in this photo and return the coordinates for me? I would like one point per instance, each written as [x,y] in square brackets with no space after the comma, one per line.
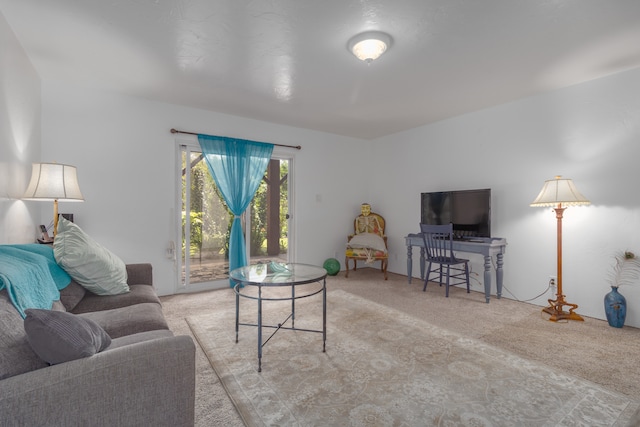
[384,368]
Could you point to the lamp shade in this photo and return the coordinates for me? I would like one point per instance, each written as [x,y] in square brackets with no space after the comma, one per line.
[559,191]
[53,181]
[369,45]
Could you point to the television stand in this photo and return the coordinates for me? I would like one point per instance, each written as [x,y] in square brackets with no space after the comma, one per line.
[486,246]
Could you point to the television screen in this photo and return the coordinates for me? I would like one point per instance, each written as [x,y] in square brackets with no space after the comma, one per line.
[468,210]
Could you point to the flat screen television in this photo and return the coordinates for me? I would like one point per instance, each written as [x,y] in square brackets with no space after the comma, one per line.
[468,210]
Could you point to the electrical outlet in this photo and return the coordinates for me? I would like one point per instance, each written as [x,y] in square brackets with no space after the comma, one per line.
[171,250]
[553,281]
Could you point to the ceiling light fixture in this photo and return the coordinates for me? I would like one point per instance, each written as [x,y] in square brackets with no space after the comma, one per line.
[369,45]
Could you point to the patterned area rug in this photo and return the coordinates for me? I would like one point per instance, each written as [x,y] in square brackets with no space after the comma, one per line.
[384,368]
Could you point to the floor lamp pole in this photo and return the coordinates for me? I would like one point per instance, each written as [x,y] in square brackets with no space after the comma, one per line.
[555,306]
[55,217]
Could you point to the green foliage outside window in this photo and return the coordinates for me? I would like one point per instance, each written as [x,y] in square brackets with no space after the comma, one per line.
[259,214]
[210,218]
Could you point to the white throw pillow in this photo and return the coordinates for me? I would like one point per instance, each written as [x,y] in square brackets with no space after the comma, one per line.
[367,240]
[87,262]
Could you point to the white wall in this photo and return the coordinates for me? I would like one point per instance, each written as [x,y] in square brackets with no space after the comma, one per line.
[589,133]
[19,138]
[125,157]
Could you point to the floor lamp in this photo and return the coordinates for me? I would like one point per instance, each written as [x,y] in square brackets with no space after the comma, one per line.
[53,181]
[560,193]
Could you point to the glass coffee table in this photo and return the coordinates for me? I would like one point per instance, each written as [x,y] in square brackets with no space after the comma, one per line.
[258,281]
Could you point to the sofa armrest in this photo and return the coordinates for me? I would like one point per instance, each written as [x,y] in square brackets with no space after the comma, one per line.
[140,274]
[146,383]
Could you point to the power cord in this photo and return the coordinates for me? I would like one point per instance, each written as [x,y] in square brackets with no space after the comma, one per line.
[504,288]
[526,300]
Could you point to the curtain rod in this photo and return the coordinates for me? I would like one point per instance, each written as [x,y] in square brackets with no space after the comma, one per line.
[297,147]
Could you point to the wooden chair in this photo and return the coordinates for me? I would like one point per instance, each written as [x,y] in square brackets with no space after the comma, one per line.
[438,242]
[368,242]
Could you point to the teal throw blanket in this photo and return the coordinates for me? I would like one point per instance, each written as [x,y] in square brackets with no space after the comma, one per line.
[31,276]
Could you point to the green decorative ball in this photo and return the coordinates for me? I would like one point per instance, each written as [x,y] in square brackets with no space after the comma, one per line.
[332,266]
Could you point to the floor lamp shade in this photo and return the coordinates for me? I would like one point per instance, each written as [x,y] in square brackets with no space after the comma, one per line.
[559,191]
[53,181]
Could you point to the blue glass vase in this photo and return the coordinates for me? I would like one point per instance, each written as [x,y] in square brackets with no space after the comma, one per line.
[615,307]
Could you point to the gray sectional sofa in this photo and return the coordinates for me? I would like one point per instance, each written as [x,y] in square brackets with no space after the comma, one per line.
[146,376]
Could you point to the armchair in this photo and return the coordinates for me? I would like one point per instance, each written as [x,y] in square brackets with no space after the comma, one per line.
[368,242]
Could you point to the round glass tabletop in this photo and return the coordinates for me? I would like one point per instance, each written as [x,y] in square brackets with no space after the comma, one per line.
[277,273]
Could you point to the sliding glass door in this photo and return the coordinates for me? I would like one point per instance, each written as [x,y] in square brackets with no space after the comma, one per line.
[205,221]
[269,216]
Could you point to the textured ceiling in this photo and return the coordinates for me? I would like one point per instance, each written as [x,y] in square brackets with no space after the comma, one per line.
[286,61]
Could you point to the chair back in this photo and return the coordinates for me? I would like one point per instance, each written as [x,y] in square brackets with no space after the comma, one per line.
[372,223]
[438,242]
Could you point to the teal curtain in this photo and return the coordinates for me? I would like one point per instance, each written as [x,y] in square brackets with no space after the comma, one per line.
[237,166]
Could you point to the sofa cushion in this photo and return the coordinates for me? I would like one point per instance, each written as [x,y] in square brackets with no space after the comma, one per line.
[139,337]
[87,262]
[119,322]
[140,274]
[137,294]
[72,295]
[16,355]
[58,336]
[58,306]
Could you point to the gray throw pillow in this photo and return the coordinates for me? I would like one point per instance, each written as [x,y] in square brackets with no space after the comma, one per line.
[58,336]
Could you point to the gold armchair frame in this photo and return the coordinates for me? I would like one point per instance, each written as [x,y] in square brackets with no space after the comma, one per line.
[372,223]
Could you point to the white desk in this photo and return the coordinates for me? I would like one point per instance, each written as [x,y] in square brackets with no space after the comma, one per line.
[488,246]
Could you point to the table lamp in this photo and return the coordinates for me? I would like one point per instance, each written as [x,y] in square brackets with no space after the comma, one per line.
[560,193]
[53,181]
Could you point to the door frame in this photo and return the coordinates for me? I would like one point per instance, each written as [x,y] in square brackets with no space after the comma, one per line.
[175,253]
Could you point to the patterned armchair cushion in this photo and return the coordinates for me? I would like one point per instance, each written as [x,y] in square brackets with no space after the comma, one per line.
[367,241]
[365,253]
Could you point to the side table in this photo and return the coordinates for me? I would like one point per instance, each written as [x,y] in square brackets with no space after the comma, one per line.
[262,277]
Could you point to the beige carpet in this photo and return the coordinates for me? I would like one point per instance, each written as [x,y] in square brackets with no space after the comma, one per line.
[589,350]
[385,368]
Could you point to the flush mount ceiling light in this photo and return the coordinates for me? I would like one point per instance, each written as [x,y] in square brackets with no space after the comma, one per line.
[369,45]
